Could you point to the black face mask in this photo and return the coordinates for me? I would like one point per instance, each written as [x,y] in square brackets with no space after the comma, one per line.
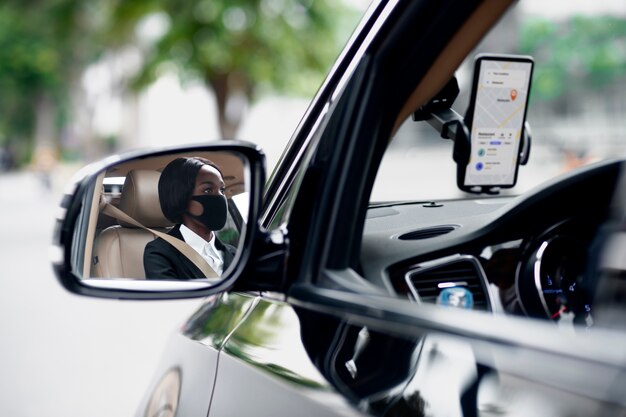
[214,214]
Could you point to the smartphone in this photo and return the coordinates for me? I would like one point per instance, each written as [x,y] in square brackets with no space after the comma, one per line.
[495,120]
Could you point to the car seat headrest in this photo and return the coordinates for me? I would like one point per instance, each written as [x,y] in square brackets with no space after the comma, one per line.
[140,199]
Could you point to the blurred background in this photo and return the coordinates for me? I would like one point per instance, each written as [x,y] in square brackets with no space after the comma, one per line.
[81,80]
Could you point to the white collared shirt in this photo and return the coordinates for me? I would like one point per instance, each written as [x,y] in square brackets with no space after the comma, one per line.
[206,249]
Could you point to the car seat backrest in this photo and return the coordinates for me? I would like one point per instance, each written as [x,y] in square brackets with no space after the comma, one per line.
[118,250]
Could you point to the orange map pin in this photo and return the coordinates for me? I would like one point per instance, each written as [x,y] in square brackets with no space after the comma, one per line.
[513,94]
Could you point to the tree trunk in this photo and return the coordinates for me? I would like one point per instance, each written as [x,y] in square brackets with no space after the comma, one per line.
[45,146]
[232,94]
[45,153]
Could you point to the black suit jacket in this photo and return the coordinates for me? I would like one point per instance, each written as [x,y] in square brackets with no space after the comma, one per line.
[163,261]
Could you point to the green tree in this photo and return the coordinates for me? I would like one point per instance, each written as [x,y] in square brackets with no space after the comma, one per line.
[237,47]
[578,53]
[44,47]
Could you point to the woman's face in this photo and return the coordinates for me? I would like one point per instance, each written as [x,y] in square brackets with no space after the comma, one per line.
[208,182]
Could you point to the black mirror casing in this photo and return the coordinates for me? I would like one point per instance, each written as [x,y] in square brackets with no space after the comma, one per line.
[72,213]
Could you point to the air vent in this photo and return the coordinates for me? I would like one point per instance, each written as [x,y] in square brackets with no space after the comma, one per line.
[428,282]
[427,233]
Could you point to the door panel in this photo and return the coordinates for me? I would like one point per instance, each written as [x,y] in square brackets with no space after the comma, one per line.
[265,369]
[218,317]
[428,360]
[192,357]
[285,360]
[195,365]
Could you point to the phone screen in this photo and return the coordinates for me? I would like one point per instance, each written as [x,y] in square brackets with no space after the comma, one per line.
[499,97]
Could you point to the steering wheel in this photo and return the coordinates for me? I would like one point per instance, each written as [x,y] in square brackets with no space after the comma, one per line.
[551,278]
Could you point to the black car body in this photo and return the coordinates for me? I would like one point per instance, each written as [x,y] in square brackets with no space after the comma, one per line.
[324,314]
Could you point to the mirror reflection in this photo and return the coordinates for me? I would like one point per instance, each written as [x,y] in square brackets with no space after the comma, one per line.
[169,217]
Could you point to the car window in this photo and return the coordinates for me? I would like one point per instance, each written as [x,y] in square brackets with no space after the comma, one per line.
[576,109]
[285,180]
[300,165]
[533,250]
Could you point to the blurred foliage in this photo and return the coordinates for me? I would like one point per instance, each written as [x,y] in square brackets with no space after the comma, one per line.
[44,46]
[237,46]
[229,236]
[264,331]
[216,319]
[582,52]
[251,330]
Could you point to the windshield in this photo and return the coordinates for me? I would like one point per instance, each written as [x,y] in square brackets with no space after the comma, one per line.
[576,109]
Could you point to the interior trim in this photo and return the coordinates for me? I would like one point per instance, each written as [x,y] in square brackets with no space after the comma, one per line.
[92,225]
[438,263]
[460,45]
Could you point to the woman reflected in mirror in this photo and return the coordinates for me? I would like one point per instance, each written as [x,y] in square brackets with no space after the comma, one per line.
[191,194]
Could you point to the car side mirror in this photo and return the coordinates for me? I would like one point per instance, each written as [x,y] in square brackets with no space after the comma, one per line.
[174,223]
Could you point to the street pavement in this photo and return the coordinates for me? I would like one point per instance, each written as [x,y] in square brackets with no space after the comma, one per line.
[64,355]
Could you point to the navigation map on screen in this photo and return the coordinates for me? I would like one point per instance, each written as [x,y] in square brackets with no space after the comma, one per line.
[497,122]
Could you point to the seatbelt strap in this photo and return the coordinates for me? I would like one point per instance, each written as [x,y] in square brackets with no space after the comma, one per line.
[180,245]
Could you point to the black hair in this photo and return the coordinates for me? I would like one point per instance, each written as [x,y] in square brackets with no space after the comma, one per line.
[176,185]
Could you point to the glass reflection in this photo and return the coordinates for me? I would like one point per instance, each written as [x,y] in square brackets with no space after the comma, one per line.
[167,217]
[217,318]
[270,338]
[192,196]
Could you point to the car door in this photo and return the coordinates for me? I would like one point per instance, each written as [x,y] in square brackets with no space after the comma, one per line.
[267,367]
[184,380]
[323,339]
[285,359]
[338,345]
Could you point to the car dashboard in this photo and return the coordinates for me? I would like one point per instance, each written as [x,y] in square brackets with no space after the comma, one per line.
[523,255]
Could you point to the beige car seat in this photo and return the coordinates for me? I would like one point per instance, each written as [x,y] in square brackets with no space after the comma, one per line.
[118,250]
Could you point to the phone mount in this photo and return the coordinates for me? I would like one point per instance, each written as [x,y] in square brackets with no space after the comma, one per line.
[439,114]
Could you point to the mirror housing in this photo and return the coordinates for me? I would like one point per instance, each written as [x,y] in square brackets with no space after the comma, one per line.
[86,202]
